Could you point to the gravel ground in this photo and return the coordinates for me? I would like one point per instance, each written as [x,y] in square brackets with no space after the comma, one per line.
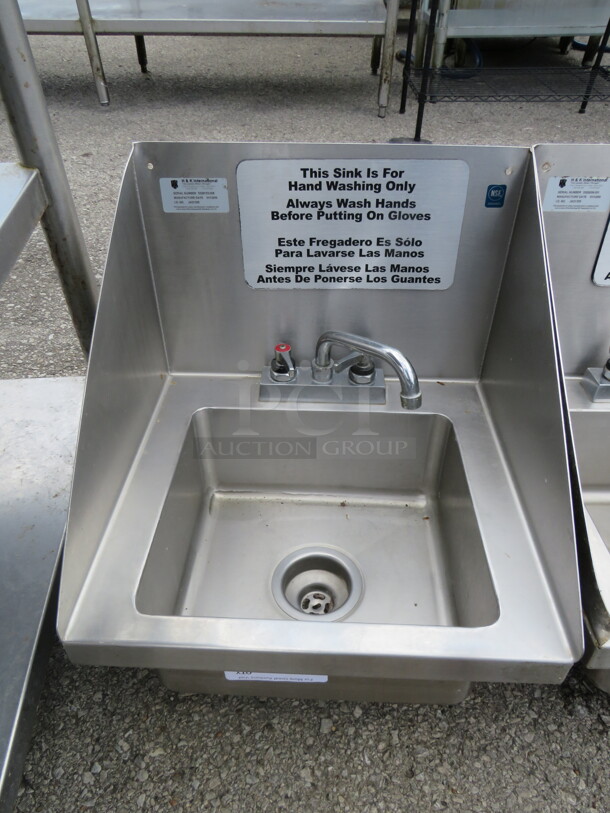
[116,740]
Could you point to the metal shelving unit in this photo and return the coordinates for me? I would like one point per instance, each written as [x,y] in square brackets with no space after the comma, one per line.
[567,84]
[433,84]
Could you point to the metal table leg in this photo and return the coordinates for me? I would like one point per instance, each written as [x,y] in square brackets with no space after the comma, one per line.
[590,51]
[406,71]
[423,88]
[86,21]
[141,51]
[595,68]
[387,58]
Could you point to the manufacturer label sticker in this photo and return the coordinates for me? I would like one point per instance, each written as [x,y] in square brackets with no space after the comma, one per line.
[351,223]
[275,677]
[186,195]
[566,194]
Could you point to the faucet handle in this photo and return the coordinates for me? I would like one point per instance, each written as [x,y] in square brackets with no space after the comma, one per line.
[361,367]
[282,365]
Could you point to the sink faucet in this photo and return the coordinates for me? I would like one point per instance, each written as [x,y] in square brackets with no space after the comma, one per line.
[362,370]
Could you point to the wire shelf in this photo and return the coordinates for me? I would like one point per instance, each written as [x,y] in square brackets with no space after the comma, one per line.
[556,84]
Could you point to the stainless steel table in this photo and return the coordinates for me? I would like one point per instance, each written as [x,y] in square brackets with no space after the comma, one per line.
[22,202]
[38,427]
[319,18]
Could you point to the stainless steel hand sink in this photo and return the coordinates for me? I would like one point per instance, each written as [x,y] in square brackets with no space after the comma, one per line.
[575,201]
[388,492]
[246,522]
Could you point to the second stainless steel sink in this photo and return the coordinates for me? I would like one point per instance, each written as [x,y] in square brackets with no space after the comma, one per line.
[575,200]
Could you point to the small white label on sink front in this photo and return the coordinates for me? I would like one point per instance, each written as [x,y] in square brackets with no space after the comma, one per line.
[565,194]
[276,677]
[186,195]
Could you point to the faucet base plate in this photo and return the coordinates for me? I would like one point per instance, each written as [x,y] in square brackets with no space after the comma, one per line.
[340,390]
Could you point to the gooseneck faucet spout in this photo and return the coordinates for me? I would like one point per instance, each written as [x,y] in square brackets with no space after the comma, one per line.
[322,365]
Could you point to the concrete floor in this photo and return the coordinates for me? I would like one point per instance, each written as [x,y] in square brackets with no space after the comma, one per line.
[114,740]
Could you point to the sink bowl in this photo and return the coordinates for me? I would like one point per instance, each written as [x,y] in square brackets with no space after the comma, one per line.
[382,499]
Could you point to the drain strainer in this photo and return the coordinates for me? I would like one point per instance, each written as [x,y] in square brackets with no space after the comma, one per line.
[317,603]
[317,584]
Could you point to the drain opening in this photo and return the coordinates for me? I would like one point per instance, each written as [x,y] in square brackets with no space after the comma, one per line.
[317,583]
[317,603]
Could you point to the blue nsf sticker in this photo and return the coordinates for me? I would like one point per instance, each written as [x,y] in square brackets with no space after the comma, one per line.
[496,193]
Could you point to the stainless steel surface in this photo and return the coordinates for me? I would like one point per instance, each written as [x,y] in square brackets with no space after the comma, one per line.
[135,362]
[347,687]
[33,132]
[522,391]
[22,202]
[582,313]
[573,240]
[181,514]
[478,19]
[341,18]
[524,18]
[39,419]
[95,60]
[405,320]
[410,394]
[301,17]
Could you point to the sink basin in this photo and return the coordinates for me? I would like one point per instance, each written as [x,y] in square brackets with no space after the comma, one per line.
[387,492]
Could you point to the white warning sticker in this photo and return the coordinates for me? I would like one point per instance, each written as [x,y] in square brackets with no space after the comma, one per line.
[275,677]
[566,194]
[186,195]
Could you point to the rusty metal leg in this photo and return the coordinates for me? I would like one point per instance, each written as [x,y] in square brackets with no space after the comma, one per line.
[95,60]
[31,125]
[387,57]
[141,51]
